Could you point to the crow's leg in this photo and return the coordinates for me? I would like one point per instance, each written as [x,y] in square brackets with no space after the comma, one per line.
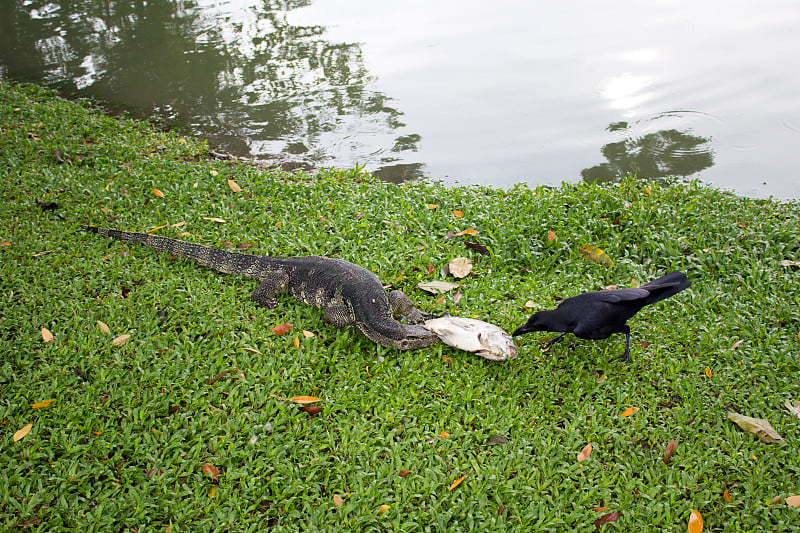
[627,354]
[553,341]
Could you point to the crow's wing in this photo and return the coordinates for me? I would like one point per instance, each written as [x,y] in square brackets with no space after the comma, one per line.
[598,315]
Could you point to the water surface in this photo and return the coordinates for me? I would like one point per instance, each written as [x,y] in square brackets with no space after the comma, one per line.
[461,91]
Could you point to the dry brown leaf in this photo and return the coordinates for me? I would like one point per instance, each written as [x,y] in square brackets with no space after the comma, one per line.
[708,371]
[457,296]
[551,236]
[468,232]
[404,473]
[600,509]
[214,219]
[281,329]
[726,496]
[457,482]
[606,519]
[758,426]
[121,340]
[585,453]
[311,409]
[478,247]
[302,400]
[593,253]
[775,500]
[211,470]
[695,522]
[668,451]
[158,193]
[337,500]
[460,267]
[234,186]
[793,501]
[457,214]
[46,335]
[20,434]
[39,405]
[103,327]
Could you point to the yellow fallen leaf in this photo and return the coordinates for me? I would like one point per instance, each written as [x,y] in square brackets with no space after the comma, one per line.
[468,232]
[758,426]
[302,400]
[629,411]
[593,253]
[252,350]
[121,340]
[383,508]
[234,186]
[726,496]
[158,193]
[457,214]
[695,522]
[44,403]
[708,372]
[337,500]
[551,236]
[307,334]
[215,219]
[444,434]
[212,492]
[297,342]
[177,224]
[46,335]
[530,304]
[431,206]
[19,435]
[103,327]
[457,482]
[213,172]
[585,453]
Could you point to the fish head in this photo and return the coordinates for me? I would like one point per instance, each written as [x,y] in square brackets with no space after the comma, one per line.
[496,346]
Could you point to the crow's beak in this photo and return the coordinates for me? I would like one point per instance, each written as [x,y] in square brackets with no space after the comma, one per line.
[524,328]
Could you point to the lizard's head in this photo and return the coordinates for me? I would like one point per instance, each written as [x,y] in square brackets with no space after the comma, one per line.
[416,337]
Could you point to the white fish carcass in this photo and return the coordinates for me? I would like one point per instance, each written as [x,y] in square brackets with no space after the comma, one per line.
[470,335]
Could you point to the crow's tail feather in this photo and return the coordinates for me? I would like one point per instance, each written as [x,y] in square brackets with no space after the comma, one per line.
[666,286]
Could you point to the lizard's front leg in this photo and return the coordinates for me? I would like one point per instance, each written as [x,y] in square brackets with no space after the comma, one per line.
[276,283]
[402,304]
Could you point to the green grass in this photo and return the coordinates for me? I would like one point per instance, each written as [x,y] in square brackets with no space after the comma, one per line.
[123,448]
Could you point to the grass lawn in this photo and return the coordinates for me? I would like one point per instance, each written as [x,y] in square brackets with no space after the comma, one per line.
[187,426]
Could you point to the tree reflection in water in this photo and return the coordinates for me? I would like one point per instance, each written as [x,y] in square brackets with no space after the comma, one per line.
[255,85]
[663,154]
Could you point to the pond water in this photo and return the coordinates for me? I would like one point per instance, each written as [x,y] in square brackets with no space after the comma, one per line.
[464,92]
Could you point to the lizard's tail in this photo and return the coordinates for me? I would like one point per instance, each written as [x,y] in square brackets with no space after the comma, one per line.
[221,260]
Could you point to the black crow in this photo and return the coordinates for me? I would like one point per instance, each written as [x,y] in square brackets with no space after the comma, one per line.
[598,315]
